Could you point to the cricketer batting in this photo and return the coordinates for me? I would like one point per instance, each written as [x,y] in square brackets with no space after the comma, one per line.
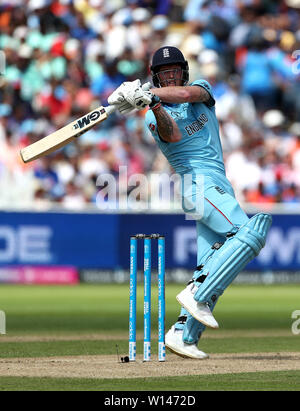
[183,123]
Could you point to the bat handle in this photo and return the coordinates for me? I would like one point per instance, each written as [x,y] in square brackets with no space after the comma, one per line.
[111,109]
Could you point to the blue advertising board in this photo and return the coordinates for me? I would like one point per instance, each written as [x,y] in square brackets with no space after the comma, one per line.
[101,241]
[80,240]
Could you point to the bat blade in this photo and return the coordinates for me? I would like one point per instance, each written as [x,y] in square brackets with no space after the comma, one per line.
[64,135]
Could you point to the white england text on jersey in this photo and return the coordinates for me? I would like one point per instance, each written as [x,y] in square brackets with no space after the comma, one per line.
[197,125]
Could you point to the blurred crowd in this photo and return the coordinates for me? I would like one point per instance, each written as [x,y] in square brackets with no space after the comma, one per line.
[64,57]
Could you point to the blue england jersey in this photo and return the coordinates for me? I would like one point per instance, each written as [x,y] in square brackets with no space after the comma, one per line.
[199,150]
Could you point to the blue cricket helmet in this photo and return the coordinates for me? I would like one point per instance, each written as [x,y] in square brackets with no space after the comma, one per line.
[168,55]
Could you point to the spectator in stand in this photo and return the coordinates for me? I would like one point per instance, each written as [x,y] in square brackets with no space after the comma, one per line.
[257,75]
[63,58]
[107,82]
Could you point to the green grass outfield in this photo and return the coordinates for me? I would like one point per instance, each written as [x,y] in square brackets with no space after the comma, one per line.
[42,320]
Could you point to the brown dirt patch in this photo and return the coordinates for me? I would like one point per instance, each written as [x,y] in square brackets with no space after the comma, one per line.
[108,366]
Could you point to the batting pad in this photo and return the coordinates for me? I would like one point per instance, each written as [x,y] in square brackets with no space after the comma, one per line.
[192,330]
[232,257]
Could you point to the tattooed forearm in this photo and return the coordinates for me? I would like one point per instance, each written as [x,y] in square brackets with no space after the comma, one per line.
[164,122]
[167,128]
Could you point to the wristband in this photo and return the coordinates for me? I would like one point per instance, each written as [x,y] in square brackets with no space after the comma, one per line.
[155,103]
[155,107]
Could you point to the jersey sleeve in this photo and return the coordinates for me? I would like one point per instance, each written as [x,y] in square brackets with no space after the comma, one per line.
[205,84]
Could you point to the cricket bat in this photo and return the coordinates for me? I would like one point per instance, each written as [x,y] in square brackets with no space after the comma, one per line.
[68,133]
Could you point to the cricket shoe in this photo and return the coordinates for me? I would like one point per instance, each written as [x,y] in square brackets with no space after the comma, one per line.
[174,343]
[200,311]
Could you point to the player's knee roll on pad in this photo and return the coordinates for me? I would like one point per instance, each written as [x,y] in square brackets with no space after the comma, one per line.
[232,257]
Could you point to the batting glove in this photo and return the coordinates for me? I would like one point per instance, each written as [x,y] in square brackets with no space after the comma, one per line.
[141,97]
[118,96]
[125,107]
[138,98]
